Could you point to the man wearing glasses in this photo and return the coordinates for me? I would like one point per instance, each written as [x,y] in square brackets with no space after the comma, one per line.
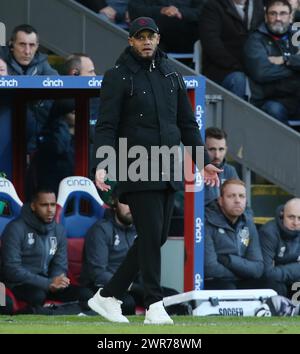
[273,63]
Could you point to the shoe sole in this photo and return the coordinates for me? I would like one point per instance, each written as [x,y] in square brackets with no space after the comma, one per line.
[93,305]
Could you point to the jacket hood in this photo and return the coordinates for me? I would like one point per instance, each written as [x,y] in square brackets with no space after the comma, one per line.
[33,221]
[284,232]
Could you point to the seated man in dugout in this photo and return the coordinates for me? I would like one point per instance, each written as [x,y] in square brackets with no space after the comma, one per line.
[233,258]
[280,243]
[34,255]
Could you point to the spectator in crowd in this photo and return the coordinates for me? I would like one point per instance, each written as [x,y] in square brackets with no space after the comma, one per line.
[114,11]
[5,125]
[233,258]
[144,99]
[3,68]
[273,63]
[216,146]
[23,58]
[34,255]
[177,21]
[224,28]
[79,64]
[22,55]
[295,4]
[280,242]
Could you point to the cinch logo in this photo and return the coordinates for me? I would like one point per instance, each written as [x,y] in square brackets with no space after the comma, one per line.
[8,82]
[78,182]
[4,183]
[198,281]
[199,181]
[94,82]
[2,34]
[198,230]
[199,114]
[191,83]
[53,83]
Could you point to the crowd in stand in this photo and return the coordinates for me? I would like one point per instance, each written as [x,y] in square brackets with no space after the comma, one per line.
[249,49]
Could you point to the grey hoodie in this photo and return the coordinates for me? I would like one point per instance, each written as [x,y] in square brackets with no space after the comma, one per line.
[32,252]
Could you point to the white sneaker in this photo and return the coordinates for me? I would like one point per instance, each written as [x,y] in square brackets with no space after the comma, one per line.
[157,314]
[107,307]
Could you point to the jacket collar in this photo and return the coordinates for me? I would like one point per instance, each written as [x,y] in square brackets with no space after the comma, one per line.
[128,59]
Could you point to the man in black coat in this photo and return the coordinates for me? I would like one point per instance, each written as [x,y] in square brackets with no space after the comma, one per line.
[144,102]
[224,28]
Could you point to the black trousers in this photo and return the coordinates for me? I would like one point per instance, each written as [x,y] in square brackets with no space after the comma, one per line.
[151,212]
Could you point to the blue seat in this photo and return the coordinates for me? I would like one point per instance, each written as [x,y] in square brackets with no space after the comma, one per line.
[78,205]
[10,203]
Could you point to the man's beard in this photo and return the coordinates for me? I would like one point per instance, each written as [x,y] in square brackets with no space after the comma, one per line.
[125,219]
[278,28]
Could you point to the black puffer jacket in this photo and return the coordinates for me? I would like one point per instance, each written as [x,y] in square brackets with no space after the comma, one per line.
[33,252]
[280,248]
[149,106]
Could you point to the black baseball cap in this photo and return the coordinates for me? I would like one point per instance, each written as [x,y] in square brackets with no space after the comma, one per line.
[142,23]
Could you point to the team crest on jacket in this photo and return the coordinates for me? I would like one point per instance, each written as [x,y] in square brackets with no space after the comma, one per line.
[117,240]
[281,251]
[53,246]
[244,236]
[30,239]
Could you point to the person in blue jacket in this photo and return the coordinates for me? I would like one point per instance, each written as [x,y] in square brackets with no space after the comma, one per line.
[23,57]
[280,242]
[216,146]
[34,255]
[233,258]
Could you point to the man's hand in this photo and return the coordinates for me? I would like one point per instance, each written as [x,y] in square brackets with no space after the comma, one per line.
[211,175]
[59,282]
[100,180]
[224,259]
[171,11]
[276,60]
[109,12]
